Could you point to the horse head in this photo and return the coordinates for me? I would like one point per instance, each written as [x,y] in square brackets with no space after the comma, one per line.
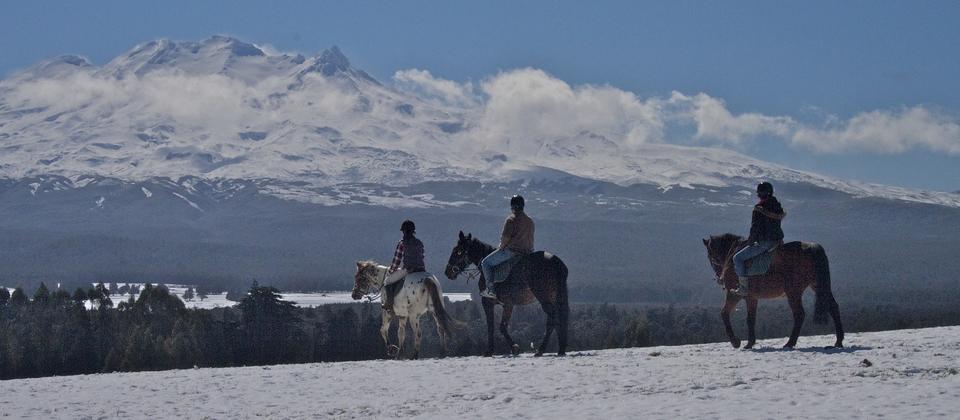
[362,279]
[459,257]
[720,249]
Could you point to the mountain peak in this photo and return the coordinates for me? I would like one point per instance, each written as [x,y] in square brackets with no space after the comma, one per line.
[334,56]
[235,46]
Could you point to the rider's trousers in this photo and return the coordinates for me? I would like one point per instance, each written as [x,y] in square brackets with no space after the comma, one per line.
[493,260]
[740,258]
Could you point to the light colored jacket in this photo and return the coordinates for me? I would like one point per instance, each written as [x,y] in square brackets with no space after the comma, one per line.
[517,233]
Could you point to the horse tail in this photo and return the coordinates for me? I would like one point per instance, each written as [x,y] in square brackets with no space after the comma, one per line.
[825,299]
[443,318]
[562,273]
[564,304]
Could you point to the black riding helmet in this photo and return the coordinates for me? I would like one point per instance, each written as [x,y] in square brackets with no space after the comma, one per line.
[408,226]
[516,202]
[764,188]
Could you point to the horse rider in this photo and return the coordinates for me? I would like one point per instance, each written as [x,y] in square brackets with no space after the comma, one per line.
[765,233]
[407,258]
[516,239]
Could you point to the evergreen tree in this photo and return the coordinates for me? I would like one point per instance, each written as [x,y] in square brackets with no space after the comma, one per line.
[18,298]
[188,295]
[201,293]
[79,297]
[4,296]
[61,298]
[42,295]
[114,289]
[270,326]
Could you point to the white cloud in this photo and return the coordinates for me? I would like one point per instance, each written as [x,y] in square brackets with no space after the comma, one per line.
[422,82]
[525,107]
[714,121]
[886,132]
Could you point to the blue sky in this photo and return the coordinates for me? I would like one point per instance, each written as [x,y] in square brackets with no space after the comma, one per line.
[811,62]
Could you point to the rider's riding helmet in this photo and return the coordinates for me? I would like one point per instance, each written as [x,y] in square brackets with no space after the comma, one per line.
[765,188]
[517,202]
[408,226]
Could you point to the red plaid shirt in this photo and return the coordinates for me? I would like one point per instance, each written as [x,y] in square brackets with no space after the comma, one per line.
[397,257]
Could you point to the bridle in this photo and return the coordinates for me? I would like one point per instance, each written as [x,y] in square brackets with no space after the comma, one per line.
[372,296]
[462,266]
[718,266]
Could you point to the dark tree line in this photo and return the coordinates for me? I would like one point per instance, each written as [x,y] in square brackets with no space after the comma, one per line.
[53,332]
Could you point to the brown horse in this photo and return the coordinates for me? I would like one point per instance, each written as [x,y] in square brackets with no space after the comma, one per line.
[539,276]
[796,266]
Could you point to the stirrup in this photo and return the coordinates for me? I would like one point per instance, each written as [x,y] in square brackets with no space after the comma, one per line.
[743,287]
[487,293]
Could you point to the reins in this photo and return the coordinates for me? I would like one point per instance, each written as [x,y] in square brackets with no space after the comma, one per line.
[371,296]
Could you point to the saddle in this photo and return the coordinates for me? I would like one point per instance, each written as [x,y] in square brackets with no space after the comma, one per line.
[760,265]
[502,271]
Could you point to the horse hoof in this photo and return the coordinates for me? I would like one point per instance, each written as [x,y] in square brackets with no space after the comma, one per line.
[748,346]
[393,351]
[488,354]
[735,343]
[538,354]
[515,349]
[788,346]
[561,353]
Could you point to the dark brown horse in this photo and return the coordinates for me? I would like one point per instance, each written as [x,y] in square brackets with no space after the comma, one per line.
[796,266]
[539,276]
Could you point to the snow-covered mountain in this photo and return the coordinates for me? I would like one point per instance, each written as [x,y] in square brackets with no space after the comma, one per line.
[222,109]
[896,374]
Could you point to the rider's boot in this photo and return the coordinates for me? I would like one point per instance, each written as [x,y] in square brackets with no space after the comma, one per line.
[488,293]
[744,287]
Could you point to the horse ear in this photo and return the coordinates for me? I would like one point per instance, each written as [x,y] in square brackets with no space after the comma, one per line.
[461,234]
[706,242]
[469,236]
[359,265]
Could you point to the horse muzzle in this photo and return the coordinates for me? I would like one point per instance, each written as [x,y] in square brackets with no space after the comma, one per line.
[356,294]
[452,272]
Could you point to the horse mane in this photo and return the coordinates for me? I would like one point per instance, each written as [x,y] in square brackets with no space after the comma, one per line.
[368,263]
[726,241]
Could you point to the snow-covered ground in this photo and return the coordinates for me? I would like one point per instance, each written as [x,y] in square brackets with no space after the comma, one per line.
[911,374]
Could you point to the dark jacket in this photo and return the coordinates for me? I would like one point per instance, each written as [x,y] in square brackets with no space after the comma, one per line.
[763,228]
[413,255]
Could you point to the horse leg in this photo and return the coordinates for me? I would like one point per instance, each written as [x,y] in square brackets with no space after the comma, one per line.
[551,311]
[384,333]
[415,325]
[563,315]
[488,313]
[837,324]
[401,334]
[441,333]
[731,303]
[795,299]
[751,322]
[504,328]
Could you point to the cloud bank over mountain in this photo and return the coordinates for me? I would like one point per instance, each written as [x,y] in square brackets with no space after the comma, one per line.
[530,103]
[223,108]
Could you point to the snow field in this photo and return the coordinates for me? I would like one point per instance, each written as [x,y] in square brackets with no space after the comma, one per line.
[911,374]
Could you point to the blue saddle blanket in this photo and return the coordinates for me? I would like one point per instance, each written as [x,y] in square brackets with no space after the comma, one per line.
[759,265]
[502,271]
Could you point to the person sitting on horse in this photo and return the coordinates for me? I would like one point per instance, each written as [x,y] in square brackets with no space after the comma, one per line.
[516,239]
[407,258]
[765,233]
